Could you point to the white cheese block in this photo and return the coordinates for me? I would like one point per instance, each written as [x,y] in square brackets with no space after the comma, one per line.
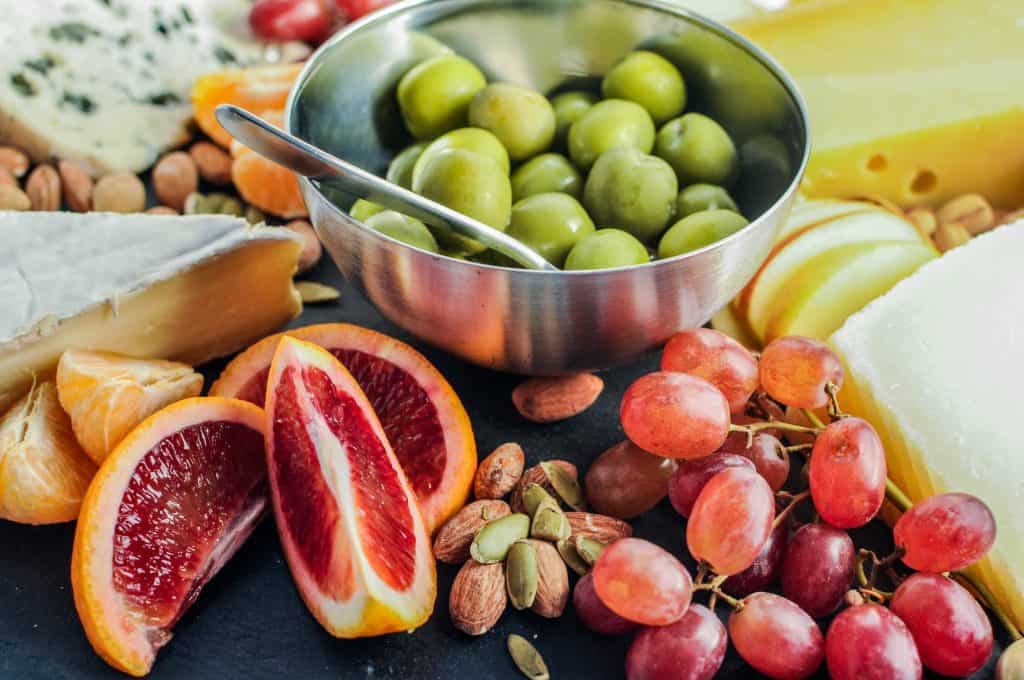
[937,365]
[106,82]
[154,286]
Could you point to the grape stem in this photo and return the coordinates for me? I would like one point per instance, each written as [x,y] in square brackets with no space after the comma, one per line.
[793,501]
[798,448]
[813,418]
[754,428]
[715,586]
[834,412]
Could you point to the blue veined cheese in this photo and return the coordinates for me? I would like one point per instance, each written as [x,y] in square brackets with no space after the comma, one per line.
[107,82]
[187,288]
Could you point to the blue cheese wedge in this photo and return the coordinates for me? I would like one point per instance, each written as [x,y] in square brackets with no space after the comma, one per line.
[153,286]
[106,82]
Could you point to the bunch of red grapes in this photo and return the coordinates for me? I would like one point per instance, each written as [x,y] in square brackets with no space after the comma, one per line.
[717,409]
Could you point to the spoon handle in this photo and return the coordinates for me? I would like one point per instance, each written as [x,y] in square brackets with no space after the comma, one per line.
[315,163]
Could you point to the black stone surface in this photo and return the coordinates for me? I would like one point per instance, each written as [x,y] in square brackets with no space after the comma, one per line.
[249,623]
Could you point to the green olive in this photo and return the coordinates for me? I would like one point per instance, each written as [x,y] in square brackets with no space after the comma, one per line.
[698,197]
[698,149]
[551,224]
[651,81]
[470,183]
[699,230]
[569,106]
[403,228]
[521,118]
[434,95]
[608,125]
[633,191]
[400,169]
[607,249]
[362,209]
[472,139]
[549,172]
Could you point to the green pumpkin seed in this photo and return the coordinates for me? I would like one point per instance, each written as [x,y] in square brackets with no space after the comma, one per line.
[493,541]
[195,204]
[254,215]
[549,522]
[567,549]
[527,659]
[589,549]
[533,496]
[565,485]
[521,574]
[232,206]
[214,202]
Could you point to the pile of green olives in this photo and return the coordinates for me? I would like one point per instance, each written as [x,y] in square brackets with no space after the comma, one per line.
[588,182]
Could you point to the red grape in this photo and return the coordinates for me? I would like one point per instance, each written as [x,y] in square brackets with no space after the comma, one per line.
[689,479]
[626,481]
[869,641]
[354,9]
[951,630]
[306,20]
[642,582]
[765,569]
[593,613]
[692,648]
[675,415]
[795,370]
[847,473]
[776,637]
[946,532]
[717,358]
[767,454]
[818,568]
[731,520]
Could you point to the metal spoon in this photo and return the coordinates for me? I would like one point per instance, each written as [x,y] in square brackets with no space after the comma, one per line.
[314,163]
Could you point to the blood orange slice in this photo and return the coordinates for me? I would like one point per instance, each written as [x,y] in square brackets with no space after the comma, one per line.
[349,526]
[167,509]
[422,416]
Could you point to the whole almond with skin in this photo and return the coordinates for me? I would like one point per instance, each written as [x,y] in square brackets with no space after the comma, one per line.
[312,251]
[478,598]
[452,540]
[77,186]
[552,581]
[7,179]
[13,198]
[43,188]
[213,162]
[598,527]
[537,475]
[548,400]
[121,192]
[161,210]
[175,177]
[14,161]
[499,472]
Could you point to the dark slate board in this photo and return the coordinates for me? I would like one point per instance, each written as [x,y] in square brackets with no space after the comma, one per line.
[249,622]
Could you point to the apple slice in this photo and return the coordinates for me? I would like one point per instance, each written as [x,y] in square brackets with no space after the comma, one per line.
[831,286]
[726,321]
[757,300]
[808,213]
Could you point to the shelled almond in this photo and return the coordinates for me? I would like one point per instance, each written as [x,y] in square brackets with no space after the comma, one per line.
[43,188]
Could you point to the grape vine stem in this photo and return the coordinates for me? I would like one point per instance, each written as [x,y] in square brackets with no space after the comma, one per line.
[793,502]
[754,428]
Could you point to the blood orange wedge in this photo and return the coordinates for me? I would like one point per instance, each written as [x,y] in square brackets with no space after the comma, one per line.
[167,509]
[422,416]
[349,526]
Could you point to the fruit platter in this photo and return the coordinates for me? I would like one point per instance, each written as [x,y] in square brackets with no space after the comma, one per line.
[746,410]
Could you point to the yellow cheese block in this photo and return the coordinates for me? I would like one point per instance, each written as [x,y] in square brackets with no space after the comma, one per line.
[935,365]
[915,101]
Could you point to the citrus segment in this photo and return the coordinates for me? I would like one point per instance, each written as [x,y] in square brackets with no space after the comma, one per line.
[169,507]
[423,418]
[349,526]
[262,182]
[43,471]
[107,395]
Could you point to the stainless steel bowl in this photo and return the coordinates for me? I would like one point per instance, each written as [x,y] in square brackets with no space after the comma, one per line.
[537,322]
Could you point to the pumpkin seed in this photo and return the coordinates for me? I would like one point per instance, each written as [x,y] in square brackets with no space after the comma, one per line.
[312,292]
[195,204]
[527,659]
[549,522]
[231,206]
[565,485]
[567,549]
[522,575]
[254,215]
[533,495]
[589,549]
[493,541]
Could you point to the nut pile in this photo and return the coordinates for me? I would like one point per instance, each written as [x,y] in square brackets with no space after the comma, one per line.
[519,551]
[959,220]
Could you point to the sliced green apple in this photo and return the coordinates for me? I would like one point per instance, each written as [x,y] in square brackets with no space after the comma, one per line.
[808,213]
[726,321]
[831,286]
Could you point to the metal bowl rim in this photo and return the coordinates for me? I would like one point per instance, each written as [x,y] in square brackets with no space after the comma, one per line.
[721,30]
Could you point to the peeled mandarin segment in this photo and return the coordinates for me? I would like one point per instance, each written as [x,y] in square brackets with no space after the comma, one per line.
[106,395]
[270,187]
[424,420]
[353,537]
[43,471]
[169,507]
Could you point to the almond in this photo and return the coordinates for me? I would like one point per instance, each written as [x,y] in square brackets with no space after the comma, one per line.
[121,192]
[537,475]
[77,185]
[13,161]
[7,179]
[161,210]
[499,472]
[552,581]
[174,178]
[43,188]
[970,210]
[452,541]
[311,248]
[213,163]
[950,235]
[599,527]
[13,198]
[547,400]
[478,597]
